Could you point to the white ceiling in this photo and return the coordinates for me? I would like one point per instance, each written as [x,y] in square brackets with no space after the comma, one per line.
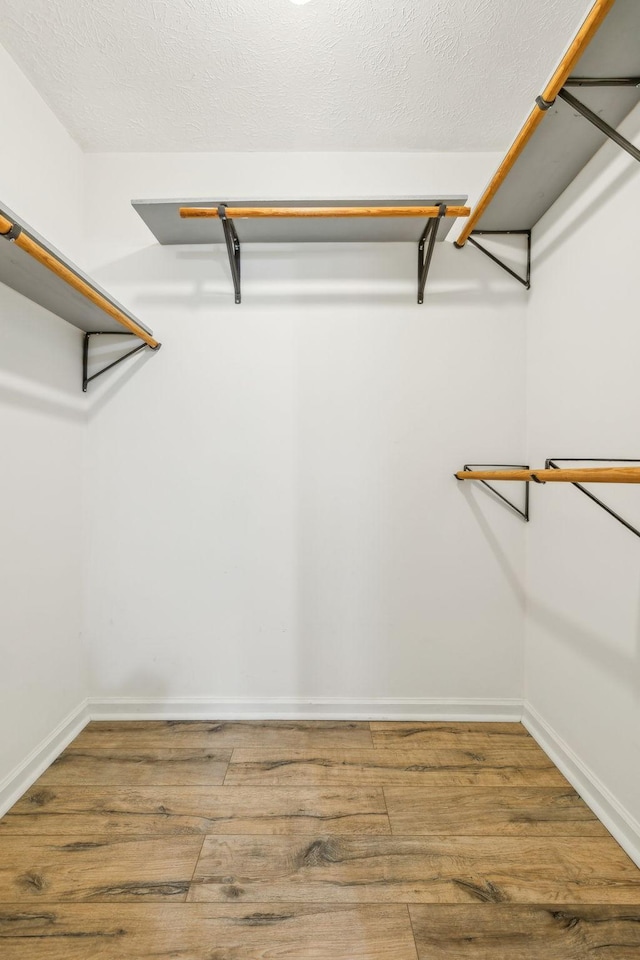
[268,75]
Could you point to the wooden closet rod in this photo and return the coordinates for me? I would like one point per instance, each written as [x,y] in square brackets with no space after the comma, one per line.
[238,212]
[35,250]
[584,475]
[582,39]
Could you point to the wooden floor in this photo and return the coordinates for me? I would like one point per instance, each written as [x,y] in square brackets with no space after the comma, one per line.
[310,841]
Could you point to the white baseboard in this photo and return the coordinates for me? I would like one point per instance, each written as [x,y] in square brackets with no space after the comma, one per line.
[618,821]
[303,708]
[33,766]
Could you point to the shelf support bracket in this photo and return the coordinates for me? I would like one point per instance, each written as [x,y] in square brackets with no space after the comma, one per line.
[551,464]
[233,249]
[428,238]
[506,466]
[601,124]
[526,280]
[86,379]
[602,82]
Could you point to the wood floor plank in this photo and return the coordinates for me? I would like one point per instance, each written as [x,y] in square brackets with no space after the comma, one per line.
[144,811]
[225,734]
[180,767]
[96,868]
[491,767]
[510,932]
[404,735]
[414,870]
[205,932]
[485,811]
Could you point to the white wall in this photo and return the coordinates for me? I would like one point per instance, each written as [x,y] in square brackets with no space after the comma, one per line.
[41,167]
[42,428]
[583,638]
[296,530]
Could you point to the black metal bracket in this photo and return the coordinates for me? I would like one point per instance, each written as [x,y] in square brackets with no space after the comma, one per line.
[544,104]
[602,82]
[526,280]
[598,122]
[506,466]
[551,464]
[428,237]
[86,379]
[233,248]
[13,232]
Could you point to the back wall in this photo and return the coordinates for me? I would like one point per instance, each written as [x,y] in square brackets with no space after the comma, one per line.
[273,513]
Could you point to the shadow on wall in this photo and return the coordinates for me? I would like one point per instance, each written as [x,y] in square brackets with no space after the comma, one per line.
[595,646]
[194,277]
[506,566]
[38,391]
[596,185]
[39,398]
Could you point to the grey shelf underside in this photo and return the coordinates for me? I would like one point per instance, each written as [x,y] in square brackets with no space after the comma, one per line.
[163,219]
[22,273]
[564,142]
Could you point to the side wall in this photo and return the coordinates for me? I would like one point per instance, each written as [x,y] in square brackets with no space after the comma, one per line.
[296,532]
[42,425]
[583,634]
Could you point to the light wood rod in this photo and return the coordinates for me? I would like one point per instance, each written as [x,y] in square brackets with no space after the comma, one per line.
[48,260]
[574,475]
[582,39]
[238,212]
[516,148]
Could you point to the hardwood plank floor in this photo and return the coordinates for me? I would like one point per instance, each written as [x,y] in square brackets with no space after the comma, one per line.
[225,734]
[163,811]
[513,932]
[196,931]
[96,868]
[310,841]
[414,870]
[493,766]
[182,767]
[406,735]
[491,811]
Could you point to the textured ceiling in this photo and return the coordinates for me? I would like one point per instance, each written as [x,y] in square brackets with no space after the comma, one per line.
[190,75]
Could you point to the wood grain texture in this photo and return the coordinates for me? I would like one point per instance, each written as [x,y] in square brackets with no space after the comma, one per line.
[224,734]
[572,475]
[133,766]
[163,811]
[492,766]
[263,212]
[197,931]
[509,932]
[96,868]
[412,735]
[491,811]
[320,840]
[414,870]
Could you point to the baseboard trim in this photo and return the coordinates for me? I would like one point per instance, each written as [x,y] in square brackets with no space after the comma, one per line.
[302,708]
[618,821]
[34,765]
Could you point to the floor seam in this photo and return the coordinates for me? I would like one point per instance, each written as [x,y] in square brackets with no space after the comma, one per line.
[413,932]
[386,806]
[226,773]
[204,839]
